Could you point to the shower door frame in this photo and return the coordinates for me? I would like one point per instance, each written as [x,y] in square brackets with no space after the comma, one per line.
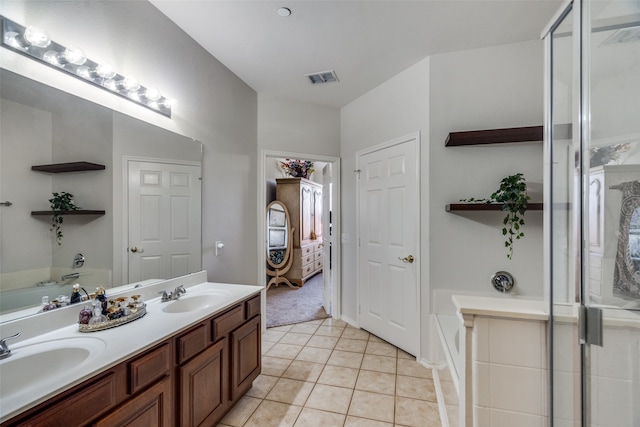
[573,10]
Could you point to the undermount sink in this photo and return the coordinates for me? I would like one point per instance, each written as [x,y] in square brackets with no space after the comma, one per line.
[28,365]
[200,301]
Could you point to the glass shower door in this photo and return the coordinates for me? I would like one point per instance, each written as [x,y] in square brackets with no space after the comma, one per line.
[611,206]
[593,91]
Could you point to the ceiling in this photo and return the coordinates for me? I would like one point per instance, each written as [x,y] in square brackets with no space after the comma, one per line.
[365,42]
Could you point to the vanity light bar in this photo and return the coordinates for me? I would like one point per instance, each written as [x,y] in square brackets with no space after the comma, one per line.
[36,44]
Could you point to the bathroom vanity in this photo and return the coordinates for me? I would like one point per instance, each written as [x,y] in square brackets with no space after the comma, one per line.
[186,363]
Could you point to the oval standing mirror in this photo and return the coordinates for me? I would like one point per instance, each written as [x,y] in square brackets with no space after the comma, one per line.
[278,244]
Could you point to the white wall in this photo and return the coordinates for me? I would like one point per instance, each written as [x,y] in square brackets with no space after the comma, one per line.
[486,88]
[494,87]
[394,109]
[292,126]
[28,145]
[213,106]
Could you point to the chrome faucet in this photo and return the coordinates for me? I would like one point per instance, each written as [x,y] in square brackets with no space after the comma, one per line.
[170,296]
[4,349]
[179,291]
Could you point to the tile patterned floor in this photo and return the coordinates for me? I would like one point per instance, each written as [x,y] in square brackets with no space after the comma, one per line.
[327,373]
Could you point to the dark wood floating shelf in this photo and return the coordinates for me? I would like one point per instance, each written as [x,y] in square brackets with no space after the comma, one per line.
[495,136]
[475,207]
[76,212]
[68,167]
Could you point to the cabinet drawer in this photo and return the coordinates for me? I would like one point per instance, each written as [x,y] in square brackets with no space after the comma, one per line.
[317,247]
[308,269]
[307,250]
[227,322]
[318,265]
[252,307]
[149,367]
[82,405]
[307,259]
[319,255]
[192,343]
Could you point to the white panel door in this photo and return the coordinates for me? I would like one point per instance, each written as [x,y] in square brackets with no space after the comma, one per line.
[164,220]
[389,236]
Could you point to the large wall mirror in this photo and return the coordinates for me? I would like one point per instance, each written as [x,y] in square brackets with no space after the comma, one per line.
[149,190]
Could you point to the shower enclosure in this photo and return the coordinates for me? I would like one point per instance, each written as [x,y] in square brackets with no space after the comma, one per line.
[592,161]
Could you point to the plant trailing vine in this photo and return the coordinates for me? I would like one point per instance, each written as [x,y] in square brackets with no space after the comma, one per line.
[512,194]
[60,203]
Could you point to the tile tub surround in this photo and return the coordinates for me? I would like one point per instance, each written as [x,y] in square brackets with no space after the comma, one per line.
[142,334]
[503,378]
[326,373]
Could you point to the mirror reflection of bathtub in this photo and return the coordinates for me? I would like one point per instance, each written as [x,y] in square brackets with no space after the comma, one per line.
[18,303]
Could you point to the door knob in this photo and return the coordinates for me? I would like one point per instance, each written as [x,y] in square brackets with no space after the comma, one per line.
[135,249]
[408,258]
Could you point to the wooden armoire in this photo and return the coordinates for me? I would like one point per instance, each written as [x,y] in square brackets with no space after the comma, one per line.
[303,199]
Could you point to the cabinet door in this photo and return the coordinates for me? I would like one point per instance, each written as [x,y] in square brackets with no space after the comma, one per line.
[306,214]
[596,214]
[317,212]
[150,408]
[203,387]
[245,356]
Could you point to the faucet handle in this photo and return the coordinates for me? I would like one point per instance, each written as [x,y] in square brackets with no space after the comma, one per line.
[4,350]
[165,296]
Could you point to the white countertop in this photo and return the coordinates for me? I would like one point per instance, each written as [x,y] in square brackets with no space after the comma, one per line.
[117,344]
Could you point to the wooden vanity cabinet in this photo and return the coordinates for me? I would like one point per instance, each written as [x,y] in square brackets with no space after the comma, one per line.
[203,391]
[246,356]
[191,379]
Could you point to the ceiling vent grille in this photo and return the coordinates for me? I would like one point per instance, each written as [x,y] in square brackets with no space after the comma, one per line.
[624,35]
[322,77]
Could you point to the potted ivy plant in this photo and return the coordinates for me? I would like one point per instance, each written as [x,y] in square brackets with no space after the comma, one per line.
[60,203]
[512,194]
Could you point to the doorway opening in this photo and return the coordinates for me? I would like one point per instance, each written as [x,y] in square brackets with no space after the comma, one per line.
[315,219]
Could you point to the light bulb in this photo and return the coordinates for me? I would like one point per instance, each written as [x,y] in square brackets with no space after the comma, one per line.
[52,57]
[168,103]
[75,56]
[84,72]
[111,85]
[37,37]
[130,84]
[134,95]
[152,94]
[105,71]
[11,39]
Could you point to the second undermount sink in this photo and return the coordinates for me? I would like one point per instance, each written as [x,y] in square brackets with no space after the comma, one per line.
[28,365]
[201,301]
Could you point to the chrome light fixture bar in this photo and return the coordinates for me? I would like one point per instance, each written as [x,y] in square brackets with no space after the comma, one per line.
[36,44]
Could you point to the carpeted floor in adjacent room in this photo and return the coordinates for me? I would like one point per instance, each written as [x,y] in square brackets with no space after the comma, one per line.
[286,306]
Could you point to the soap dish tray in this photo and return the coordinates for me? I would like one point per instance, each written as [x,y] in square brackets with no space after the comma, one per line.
[142,310]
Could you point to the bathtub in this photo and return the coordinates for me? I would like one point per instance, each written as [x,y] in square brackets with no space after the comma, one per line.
[448,327]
